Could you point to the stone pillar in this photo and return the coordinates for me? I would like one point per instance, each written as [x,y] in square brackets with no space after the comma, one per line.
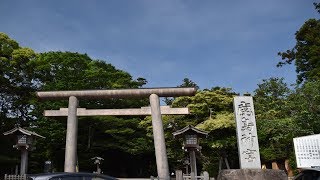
[193,176]
[275,165]
[158,136]
[206,175]
[24,161]
[71,137]
[193,162]
[16,171]
[179,175]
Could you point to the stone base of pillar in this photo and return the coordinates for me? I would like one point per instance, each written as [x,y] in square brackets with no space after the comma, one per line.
[252,174]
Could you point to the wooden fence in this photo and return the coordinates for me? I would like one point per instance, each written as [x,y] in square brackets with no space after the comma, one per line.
[14,177]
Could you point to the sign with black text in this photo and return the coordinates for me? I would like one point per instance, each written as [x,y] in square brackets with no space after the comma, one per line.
[248,147]
[307,150]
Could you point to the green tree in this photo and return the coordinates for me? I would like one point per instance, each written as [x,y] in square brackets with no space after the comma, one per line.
[186,82]
[300,112]
[276,138]
[207,102]
[221,142]
[271,99]
[16,84]
[109,137]
[16,92]
[305,106]
[317,6]
[306,53]
[211,110]
[276,123]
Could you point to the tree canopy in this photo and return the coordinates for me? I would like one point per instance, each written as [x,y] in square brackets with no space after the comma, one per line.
[16,86]
[306,53]
[271,99]
[74,71]
[16,92]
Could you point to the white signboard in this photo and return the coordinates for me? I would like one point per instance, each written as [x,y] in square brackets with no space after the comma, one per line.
[247,137]
[307,150]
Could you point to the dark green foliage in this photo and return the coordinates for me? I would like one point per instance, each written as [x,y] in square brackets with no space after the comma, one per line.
[298,110]
[270,99]
[97,136]
[283,114]
[207,101]
[306,53]
[186,82]
[16,86]
[305,106]
[23,72]
[189,83]
[16,92]
[276,138]
[317,6]
[276,127]
[221,142]
[211,110]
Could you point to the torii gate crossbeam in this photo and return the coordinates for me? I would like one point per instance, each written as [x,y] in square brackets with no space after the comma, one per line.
[144,111]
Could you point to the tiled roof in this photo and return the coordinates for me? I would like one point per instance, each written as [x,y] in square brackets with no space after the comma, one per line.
[190,128]
[23,131]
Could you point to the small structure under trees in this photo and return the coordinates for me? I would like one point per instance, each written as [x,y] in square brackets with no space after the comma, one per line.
[191,136]
[98,161]
[24,140]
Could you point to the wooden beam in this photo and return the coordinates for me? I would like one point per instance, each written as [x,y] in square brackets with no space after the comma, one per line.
[117,93]
[165,110]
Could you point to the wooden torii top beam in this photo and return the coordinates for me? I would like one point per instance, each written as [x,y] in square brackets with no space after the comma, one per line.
[117,93]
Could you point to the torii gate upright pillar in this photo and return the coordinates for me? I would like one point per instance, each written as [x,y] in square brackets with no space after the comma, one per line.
[158,138]
[71,137]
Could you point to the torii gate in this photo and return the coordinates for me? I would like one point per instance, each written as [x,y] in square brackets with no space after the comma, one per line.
[155,111]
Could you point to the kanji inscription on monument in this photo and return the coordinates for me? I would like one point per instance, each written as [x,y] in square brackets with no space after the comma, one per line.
[247,138]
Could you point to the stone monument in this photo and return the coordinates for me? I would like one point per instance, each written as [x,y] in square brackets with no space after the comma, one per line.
[248,147]
[247,138]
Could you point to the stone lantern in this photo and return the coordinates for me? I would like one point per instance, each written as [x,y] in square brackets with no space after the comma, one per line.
[24,140]
[98,161]
[191,136]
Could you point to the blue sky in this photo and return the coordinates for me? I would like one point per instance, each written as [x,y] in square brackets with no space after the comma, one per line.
[212,42]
